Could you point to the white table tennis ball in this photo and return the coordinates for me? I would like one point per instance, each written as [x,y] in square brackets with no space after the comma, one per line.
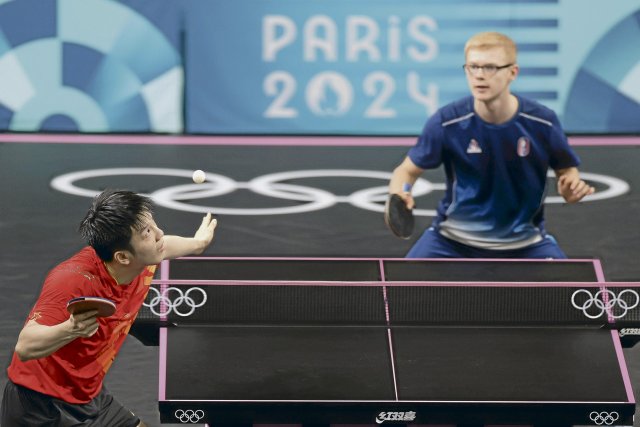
[199,176]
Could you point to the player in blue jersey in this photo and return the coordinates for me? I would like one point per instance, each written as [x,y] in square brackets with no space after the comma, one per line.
[496,148]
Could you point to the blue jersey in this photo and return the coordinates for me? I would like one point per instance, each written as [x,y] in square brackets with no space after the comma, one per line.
[496,174]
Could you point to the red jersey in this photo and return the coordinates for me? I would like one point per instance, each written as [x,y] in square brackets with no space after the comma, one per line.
[74,373]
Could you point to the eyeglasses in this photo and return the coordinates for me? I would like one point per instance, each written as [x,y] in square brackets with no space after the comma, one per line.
[488,70]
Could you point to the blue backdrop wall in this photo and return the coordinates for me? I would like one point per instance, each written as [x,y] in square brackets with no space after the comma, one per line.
[362,67]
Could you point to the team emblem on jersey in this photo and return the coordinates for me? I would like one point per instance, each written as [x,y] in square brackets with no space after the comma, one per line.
[524,146]
[474,147]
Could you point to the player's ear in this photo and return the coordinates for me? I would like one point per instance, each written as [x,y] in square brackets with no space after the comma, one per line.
[514,70]
[122,257]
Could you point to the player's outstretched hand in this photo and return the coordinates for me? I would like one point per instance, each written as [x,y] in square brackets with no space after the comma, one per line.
[572,188]
[206,231]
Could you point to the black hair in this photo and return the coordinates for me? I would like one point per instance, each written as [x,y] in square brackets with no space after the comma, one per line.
[110,221]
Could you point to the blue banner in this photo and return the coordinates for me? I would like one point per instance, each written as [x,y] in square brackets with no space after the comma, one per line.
[90,66]
[383,66]
[359,67]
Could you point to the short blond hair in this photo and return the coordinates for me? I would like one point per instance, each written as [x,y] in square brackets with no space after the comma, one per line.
[492,39]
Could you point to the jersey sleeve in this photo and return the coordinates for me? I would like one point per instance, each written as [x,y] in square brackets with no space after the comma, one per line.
[561,154]
[59,287]
[427,153]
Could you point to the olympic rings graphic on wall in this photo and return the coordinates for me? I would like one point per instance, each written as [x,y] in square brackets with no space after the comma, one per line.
[167,305]
[604,418]
[605,300]
[189,415]
[271,185]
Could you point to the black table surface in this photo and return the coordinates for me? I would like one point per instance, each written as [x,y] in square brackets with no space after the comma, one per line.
[327,269]
[270,373]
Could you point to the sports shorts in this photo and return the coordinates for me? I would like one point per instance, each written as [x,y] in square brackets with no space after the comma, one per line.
[23,407]
[432,244]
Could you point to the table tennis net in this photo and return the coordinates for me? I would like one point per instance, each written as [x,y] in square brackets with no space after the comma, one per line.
[392,304]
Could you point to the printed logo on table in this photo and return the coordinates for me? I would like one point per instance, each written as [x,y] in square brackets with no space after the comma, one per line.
[629,331]
[162,304]
[189,415]
[604,418]
[605,301]
[395,416]
[524,146]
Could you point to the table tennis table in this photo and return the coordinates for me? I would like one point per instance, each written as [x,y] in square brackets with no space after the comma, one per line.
[388,341]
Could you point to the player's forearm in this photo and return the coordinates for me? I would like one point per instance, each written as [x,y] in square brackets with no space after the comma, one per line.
[37,341]
[177,246]
[396,185]
[405,173]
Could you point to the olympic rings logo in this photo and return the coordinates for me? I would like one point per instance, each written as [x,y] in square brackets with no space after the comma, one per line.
[304,198]
[164,302]
[604,418]
[605,301]
[189,416]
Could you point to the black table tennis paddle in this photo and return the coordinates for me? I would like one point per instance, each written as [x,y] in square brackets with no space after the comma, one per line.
[398,218]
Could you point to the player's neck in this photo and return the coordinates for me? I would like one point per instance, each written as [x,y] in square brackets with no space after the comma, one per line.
[498,110]
[122,275]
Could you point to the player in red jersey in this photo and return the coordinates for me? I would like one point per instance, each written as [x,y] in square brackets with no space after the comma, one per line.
[60,360]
